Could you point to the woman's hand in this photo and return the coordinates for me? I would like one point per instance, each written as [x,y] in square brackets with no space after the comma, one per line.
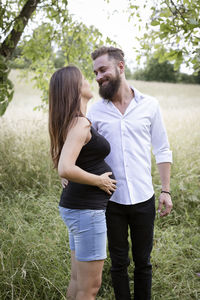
[64,182]
[107,184]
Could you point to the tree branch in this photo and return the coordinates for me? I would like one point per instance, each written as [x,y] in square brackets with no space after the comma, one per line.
[178,10]
[9,44]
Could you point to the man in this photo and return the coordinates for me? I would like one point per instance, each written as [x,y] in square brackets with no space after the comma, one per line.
[131,122]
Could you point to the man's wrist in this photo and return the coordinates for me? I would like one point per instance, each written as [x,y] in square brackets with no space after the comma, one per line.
[165,192]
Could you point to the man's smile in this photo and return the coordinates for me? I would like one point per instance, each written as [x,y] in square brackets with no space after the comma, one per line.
[104,82]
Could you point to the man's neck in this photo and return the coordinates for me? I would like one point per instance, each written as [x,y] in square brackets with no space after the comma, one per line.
[124,95]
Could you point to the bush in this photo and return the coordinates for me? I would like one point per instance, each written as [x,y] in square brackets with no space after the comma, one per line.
[163,72]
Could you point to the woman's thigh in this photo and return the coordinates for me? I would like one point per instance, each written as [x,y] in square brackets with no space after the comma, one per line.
[89,274]
[87,233]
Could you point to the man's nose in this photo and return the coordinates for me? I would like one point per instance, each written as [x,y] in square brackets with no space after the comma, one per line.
[99,77]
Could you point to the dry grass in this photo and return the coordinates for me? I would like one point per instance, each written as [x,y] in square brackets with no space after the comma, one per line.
[34,263]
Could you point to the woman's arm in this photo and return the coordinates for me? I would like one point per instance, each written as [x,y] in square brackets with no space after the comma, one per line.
[76,139]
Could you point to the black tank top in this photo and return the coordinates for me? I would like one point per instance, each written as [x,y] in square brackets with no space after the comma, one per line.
[90,159]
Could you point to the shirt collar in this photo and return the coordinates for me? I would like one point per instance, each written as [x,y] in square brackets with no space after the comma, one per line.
[137,96]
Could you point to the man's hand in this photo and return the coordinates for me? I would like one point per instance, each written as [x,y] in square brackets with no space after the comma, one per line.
[64,182]
[164,201]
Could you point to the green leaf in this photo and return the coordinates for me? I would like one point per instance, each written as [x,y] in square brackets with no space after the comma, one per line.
[155,23]
[172,55]
[178,38]
[193,21]
[165,13]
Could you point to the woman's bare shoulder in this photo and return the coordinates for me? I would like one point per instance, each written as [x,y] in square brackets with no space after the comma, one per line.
[83,122]
[80,125]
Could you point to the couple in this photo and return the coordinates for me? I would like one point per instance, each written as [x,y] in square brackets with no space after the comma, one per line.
[119,128]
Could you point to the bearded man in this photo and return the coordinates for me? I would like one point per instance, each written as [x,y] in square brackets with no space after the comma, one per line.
[132,123]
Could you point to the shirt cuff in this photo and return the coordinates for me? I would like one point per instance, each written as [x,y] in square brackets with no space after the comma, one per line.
[165,156]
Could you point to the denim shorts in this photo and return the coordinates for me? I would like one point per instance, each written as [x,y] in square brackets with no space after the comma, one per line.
[87,232]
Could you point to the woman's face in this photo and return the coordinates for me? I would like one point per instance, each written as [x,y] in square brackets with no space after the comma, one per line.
[86,92]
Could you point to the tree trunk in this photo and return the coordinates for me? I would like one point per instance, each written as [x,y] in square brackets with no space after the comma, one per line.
[6,50]
[11,41]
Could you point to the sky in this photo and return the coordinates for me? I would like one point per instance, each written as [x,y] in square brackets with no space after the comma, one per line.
[111,19]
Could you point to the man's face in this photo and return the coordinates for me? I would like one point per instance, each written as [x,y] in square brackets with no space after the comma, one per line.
[107,76]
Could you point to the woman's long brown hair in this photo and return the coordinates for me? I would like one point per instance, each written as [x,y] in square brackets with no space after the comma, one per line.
[64,106]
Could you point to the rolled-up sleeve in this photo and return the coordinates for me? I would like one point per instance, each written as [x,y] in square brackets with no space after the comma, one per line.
[159,139]
[90,117]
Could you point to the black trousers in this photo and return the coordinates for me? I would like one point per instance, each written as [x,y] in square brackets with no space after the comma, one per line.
[139,218]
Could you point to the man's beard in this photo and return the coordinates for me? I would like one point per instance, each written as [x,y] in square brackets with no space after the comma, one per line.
[111,87]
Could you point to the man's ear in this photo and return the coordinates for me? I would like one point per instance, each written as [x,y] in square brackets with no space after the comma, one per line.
[121,67]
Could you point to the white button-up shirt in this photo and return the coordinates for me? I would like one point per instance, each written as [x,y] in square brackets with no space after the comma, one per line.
[131,136]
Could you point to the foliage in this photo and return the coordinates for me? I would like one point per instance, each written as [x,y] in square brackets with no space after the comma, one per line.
[51,29]
[128,72]
[172,32]
[59,60]
[18,61]
[75,42]
[155,71]
[186,78]
[6,86]
[12,25]
[163,72]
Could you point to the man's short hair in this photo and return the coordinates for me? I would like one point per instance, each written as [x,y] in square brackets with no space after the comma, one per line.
[112,52]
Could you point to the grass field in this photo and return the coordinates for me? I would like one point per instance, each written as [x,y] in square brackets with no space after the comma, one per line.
[34,260]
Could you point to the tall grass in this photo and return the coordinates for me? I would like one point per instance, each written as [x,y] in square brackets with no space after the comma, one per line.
[34,250]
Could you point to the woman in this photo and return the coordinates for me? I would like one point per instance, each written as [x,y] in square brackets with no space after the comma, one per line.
[78,153]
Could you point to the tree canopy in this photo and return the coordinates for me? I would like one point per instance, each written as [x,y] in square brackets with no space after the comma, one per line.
[172,32]
[163,72]
[40,29]
[43,29]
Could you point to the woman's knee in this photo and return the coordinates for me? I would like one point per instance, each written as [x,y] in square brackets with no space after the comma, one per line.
[89,292]
[97,283]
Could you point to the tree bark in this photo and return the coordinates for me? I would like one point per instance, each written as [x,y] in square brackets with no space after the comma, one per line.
[9,44]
